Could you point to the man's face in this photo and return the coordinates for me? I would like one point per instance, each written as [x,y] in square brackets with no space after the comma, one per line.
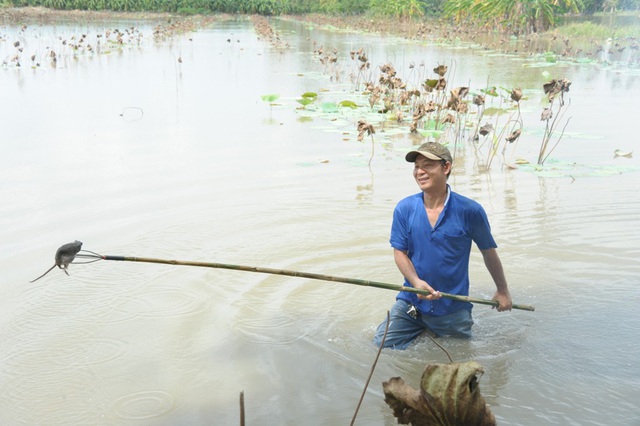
[430,174]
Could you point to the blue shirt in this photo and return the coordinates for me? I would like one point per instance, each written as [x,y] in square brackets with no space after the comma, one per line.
[440,254]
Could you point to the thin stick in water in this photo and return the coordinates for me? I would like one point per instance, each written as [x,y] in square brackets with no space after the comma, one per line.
[373,367]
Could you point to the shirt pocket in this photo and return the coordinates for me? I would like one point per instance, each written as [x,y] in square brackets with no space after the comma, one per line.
[456,245]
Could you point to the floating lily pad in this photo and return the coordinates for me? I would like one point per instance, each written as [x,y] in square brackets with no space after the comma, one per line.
[270,98]
[349,104]
[329,107]
[304,101]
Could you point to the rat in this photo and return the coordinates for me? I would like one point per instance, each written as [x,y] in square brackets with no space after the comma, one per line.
[64,256]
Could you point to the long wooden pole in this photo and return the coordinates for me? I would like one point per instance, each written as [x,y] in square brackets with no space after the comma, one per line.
[312,276]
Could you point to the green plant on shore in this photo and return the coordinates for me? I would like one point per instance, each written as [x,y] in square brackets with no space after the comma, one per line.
[522,16]
[402,9]
[589,30]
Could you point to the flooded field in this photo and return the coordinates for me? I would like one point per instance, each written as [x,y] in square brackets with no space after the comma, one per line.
[195,146]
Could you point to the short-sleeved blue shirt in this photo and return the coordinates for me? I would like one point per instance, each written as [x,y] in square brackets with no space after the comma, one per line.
[440,254]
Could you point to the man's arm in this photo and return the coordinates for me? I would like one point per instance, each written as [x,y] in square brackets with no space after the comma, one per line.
[494,266]
[409,271]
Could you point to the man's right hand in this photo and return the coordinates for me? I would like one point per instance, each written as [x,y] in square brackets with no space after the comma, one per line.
[422,285]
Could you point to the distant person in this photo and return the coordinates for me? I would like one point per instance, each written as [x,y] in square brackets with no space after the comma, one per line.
[431,236]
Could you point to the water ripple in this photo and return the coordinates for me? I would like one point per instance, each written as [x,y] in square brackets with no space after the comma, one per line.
[165,302]
[93,351]
[144,405]
[270,329]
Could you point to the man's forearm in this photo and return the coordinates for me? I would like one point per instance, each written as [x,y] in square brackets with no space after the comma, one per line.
[494,266]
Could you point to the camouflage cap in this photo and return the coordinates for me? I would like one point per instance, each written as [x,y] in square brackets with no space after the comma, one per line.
[431,150]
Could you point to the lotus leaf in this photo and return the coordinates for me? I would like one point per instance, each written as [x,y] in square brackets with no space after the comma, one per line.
[270,98]
[304,101]
[329,107]
[491,91]
[349,104]
[486,129]
[431,83]
[449,395]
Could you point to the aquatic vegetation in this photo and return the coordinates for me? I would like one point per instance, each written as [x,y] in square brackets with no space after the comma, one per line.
[555,89]
[429,108]
[364,127]
[30,48]
[449,394]
[266,31]
[270,98]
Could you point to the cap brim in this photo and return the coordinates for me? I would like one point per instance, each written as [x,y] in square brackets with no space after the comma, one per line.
[411,156]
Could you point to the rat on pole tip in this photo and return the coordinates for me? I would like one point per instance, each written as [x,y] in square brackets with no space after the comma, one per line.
[64,256]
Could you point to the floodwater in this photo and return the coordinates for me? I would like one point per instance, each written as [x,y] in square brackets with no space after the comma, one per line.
[166,150]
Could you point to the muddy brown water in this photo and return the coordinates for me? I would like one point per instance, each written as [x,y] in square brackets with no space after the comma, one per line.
[135,153]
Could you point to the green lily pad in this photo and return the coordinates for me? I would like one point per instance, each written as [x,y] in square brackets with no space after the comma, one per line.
[349,104]
[329,107]
[270,98]
[304,101]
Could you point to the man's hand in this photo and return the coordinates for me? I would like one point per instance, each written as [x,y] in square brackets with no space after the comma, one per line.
[422,285]
[504,301]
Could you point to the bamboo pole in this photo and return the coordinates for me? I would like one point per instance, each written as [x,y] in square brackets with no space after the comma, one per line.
[312,276]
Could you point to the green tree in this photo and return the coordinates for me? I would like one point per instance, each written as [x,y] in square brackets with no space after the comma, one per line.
[521,15]
[403,9]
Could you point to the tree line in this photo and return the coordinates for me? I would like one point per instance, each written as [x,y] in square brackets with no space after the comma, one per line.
[529,15]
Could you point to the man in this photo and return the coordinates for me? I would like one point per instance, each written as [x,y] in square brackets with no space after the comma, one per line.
[431,236]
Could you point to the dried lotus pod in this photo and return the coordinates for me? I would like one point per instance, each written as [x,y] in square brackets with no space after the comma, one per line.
[516,95]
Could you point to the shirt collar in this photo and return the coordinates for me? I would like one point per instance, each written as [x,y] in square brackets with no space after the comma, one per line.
[448,195]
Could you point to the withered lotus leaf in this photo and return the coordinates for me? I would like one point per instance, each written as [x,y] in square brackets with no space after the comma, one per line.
[460,92]
[430,106]
[449,395]
[546,114]
[450,118]
[440,70]
[556,86]
[388,69]
[364,127]
[486,129]
[514,135]
[550,86]
[478,100]
[453,101]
